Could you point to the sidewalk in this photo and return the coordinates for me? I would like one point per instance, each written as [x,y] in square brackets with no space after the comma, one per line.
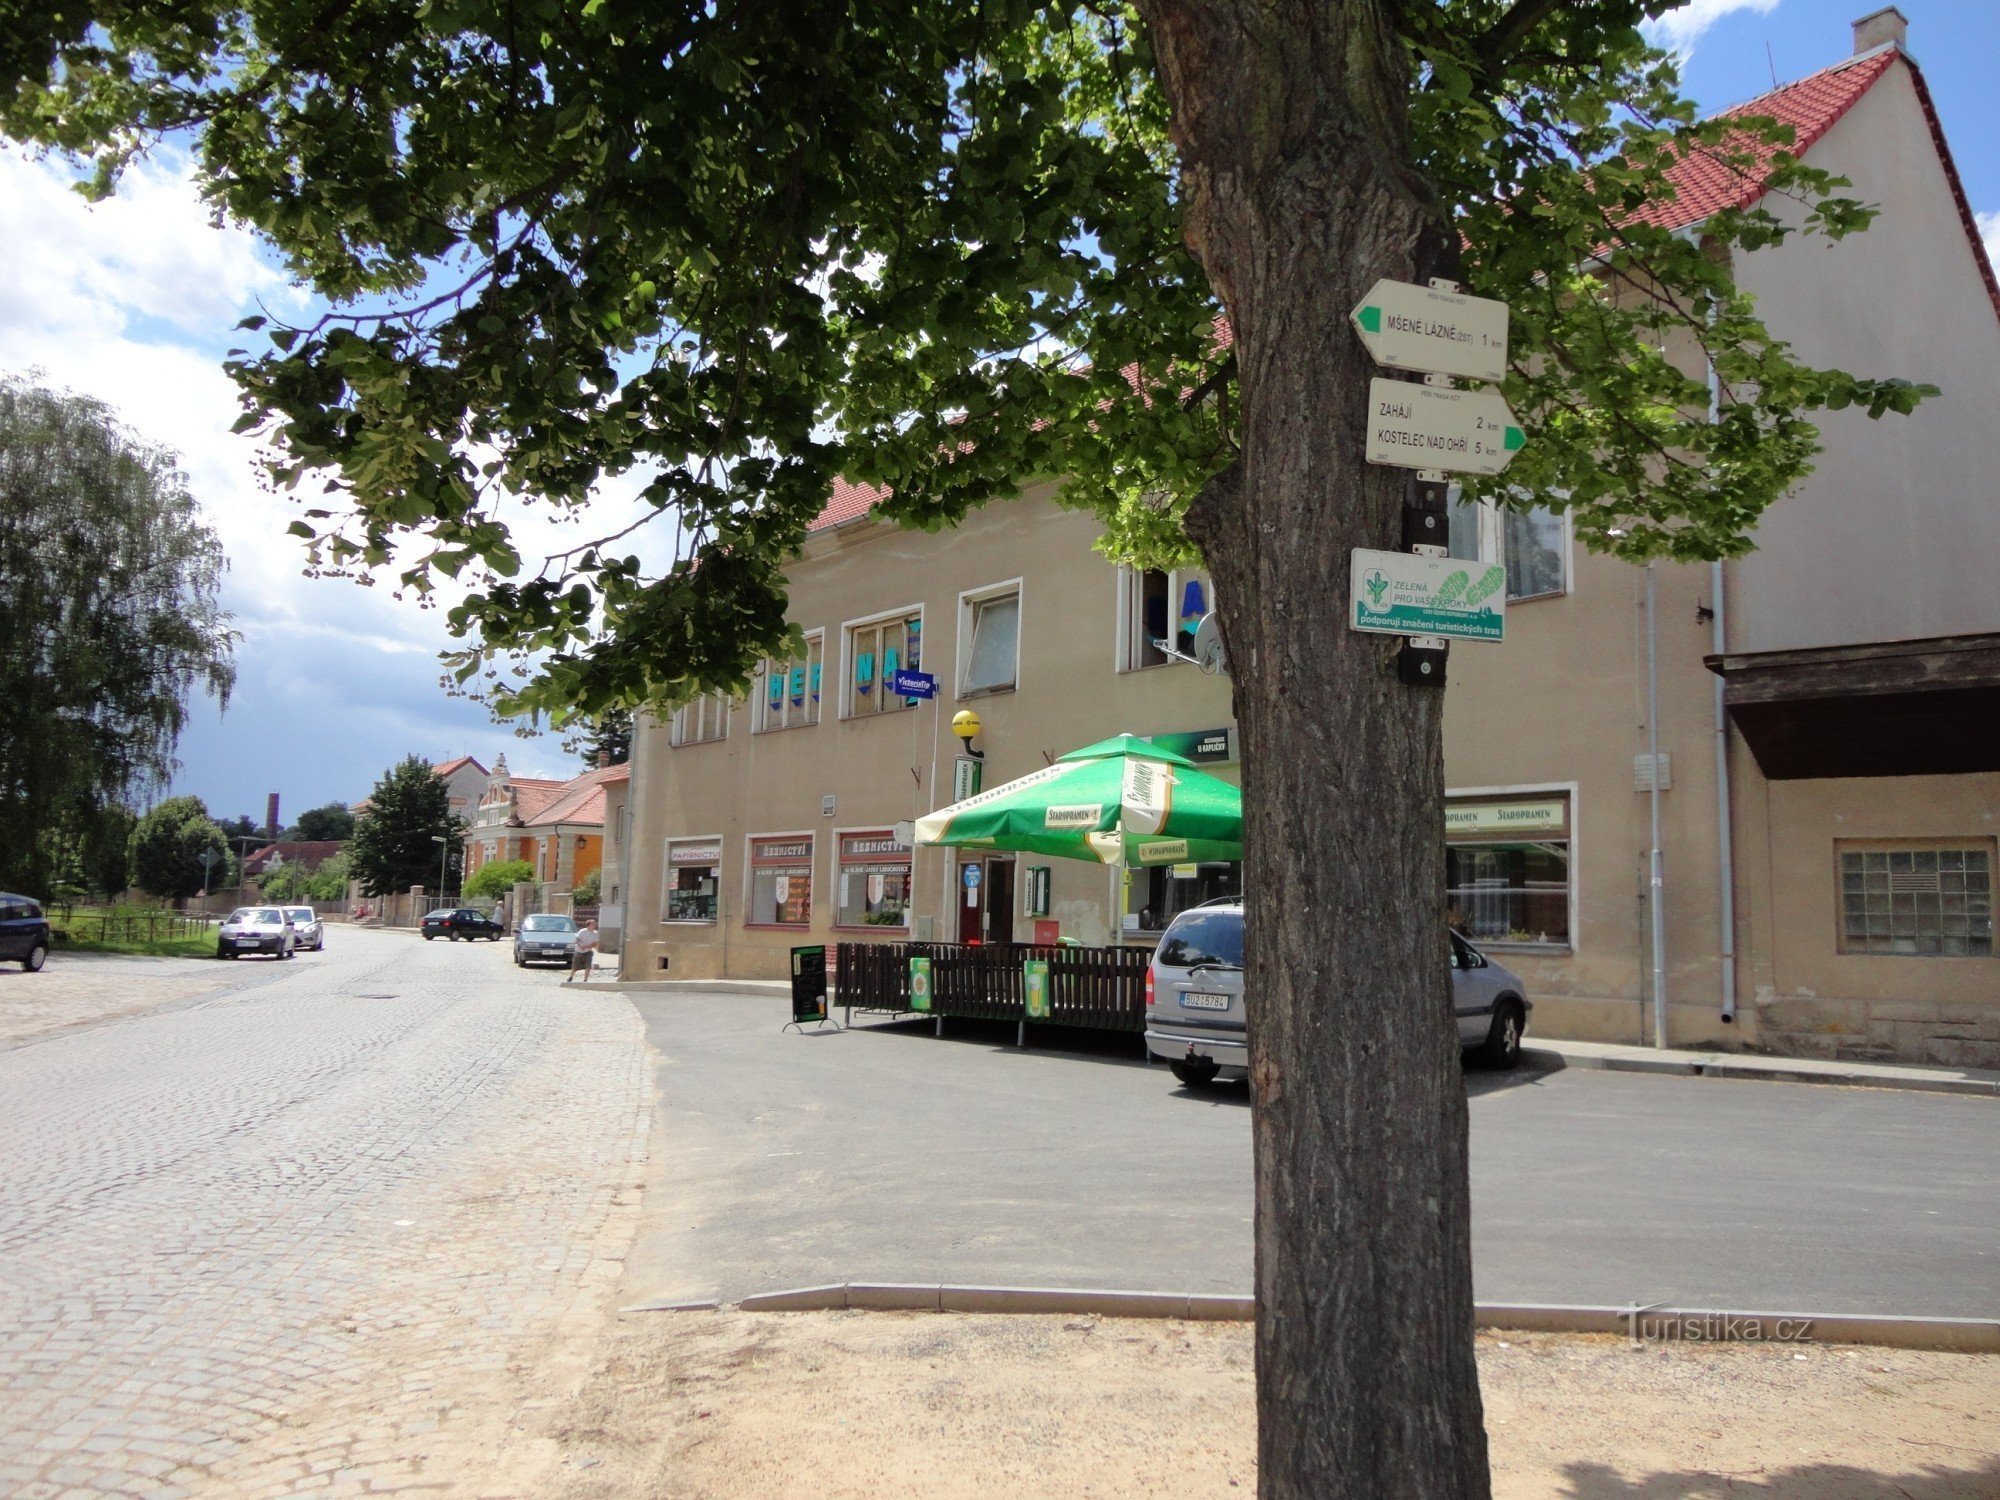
[1546,1053]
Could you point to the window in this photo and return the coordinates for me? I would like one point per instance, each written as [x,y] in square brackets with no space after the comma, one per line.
[694,871]
[1535,547]
[707,718]
[788,696]
[1934,901]
[1156,606]
[876,651]
[1173,889]
[781,873]
[1532,543]
[874,881]
[989,633]
[1507,869]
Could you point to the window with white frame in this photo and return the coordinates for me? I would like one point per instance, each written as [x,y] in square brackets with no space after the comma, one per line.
[1533,543]
[1924,900]
[874,881]
[1158,605]
[787,696]
[706,718]
[694,870]
[1507,868]
[989,634]
[876,650]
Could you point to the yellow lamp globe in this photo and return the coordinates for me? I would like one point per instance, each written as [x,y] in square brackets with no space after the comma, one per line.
[965,724]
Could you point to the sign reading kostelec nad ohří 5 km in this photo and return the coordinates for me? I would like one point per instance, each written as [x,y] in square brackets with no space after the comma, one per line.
[1422,328]
[1408,593]
[1432,427]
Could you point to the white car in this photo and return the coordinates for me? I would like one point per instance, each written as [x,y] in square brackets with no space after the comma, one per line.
[307,929]
[256,929]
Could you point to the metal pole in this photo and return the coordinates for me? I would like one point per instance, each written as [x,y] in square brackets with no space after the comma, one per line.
[1656,882]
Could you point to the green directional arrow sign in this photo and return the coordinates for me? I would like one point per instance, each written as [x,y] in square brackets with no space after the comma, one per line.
[1432,427]
[1420,328]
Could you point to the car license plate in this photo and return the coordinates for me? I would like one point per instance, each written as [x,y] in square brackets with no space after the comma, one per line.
[1199,1000]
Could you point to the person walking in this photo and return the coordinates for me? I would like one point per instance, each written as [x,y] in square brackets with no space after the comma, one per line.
[582,952]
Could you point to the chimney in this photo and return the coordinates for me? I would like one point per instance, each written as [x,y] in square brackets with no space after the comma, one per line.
[603,760]
[271,817]
[1877,27]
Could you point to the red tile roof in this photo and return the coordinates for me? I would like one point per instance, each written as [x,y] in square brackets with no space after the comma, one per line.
[445,768]
[311,853]
[1704,186]
[1811,106]
[577,801]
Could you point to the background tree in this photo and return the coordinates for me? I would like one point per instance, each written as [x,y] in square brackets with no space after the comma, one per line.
[329,881]
[109,619]
[392,847]
[333,821]
[497,878]
[945,247]
[609,738]
[167,845]
[242,826]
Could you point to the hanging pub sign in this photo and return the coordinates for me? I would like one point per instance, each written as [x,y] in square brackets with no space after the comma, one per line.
[808,985]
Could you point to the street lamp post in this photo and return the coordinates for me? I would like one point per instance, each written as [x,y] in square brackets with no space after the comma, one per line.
[444,853]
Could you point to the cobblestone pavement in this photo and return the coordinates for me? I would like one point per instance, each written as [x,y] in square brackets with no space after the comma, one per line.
[76,990]
[329,1234]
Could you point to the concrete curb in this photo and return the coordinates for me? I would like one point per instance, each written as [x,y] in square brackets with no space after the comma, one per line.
[1656,1323]
[1755,1069]
[766,987]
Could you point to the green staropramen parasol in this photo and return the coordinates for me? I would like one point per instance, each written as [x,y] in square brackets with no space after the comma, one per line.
[1122,801]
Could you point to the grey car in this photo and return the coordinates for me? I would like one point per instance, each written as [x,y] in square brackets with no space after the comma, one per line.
[545,938]
[307,929]
[1195,1016]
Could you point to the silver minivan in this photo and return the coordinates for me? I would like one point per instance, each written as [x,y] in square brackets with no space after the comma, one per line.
[1195,1001]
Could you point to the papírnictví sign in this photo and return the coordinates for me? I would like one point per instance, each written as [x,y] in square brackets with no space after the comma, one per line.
[1405,593]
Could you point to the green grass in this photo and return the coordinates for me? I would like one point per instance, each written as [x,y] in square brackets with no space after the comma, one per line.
[181,947]
[82,932]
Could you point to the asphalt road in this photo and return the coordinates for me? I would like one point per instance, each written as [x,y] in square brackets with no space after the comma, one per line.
[886,1154]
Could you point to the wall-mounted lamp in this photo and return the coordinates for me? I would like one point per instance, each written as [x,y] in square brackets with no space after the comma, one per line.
[965,724]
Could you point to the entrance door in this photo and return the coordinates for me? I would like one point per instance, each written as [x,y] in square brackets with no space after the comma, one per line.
[999,906]
[986,899]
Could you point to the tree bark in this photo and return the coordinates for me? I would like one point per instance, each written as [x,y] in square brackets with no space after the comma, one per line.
[1290,123]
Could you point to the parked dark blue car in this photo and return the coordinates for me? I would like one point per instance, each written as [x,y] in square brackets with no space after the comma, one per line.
[24,931]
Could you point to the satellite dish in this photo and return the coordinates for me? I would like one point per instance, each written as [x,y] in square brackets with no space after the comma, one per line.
[1208,652]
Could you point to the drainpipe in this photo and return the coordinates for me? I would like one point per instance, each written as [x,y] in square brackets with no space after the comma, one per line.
[1725,828]
[1656,880]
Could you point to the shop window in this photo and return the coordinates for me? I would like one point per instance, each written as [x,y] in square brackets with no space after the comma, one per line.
[787,696]
[706,718]
[781,871]
[876,651]
[1933,901]
[1172,889]
[694,879]
[874,887]
[1507,870]
[1158,606]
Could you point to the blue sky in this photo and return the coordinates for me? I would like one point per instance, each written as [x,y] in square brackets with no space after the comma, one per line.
[135,302]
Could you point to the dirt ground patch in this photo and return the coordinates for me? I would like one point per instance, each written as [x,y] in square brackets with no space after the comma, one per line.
[888,1405]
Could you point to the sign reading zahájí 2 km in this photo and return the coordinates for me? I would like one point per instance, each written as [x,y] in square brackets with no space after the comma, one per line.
[1420,328]
[1431,427]
[1407,593]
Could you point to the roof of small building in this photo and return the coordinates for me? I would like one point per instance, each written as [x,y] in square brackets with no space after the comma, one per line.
[581,800]
[310,853]
[445,768]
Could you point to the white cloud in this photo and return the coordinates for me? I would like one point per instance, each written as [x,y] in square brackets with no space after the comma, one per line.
[1680,30]
[1989,231]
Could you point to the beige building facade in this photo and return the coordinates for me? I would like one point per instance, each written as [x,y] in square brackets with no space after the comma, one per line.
[1816,726]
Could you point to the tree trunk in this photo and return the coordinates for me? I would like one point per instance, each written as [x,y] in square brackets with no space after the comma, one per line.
[1290,124]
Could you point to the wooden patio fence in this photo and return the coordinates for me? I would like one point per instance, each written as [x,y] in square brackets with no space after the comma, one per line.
[1104,988]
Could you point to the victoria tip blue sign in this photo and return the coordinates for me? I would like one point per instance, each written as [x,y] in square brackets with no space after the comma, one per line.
[907,684]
